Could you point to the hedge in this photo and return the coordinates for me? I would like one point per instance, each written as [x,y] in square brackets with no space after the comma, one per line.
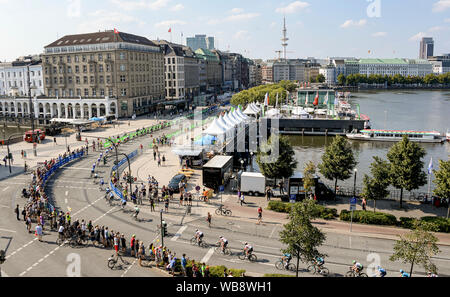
[442,224]
[324,212]
[368,217]
[214,271]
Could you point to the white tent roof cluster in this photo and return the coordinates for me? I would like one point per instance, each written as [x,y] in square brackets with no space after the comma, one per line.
[223,124]
[252,109]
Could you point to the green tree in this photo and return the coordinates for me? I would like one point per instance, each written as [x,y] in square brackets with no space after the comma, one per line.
[308,177]
[274,162]
[341,79]
[338,161]
[417,247]
[442,181]
[300,236]
[406,166]
[375,187]
[431,79]
[320,78]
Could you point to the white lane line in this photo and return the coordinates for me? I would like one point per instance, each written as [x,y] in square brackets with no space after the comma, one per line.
[65,200]
[77,168]
[208,255]
[4,206]
[5,189]
[67,193]
[123,274]
[6,230]
[89,205]
[104,214]
[274,228]
[178,234]
[3,273]
[37,263]
[23,246]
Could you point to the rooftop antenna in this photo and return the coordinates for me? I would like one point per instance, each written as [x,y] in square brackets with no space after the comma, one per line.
[284,39]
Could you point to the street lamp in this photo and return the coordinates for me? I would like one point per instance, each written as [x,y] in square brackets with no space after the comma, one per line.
[354,184]
[251,161]
[242,165]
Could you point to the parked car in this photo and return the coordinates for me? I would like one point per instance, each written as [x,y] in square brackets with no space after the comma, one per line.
[174,183]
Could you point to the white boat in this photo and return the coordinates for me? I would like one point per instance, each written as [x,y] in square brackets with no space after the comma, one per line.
[448,135]
[397,135]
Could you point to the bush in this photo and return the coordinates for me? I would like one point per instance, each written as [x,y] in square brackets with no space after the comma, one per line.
[277,275]
[442,224]
[406,222]
[367,217]
[323,212]
[217,271]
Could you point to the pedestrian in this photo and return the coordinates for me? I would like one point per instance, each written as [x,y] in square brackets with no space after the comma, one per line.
[24,214]
[242,199]
[21,153]
[268,193]
[28,223]
[208,219]
[39,232]
[152,204]
[123,244]
[259,215]
[17,212]
[364,203]
[159,162]
[166,204]
[183,264]
[164,160]
[132,244]
[239,195]
[54,140]
[154,154]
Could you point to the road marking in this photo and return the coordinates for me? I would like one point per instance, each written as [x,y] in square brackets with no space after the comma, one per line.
[65,200]
[208,255]
[5,189]
[3,273]
[78,168]
[123,274]
[5,206]
[104,214]
[67,193]
[178,234]
[23,246]
[6,230]
[39,261]
[272,231]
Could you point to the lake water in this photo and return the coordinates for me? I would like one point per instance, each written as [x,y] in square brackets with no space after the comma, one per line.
[409,110]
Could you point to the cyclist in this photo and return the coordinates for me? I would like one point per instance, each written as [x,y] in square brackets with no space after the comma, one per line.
[111,197]
[124,203]
[381,271]
[404,274]
[102,182]
[286,258]
[248,249]
[198,236]
[319,261]
[61,232]
[136,211]
[431,274]
[223,243]
[357,267]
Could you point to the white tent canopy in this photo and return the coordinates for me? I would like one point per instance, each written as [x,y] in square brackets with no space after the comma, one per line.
[273,112]
[239,112]
[237,116]
[250,110]
[255,108]
[233,119]
[229,121]
[214,129]
[222,123]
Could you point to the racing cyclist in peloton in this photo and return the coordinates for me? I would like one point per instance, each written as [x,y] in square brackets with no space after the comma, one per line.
[357,267]
[248,249]
[136,212]
[223,243]
[198,236]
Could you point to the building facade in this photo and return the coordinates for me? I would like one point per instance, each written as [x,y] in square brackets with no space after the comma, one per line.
[329,72]
[441,64]
[426,48]
[106,65]
[212,69]
[267,73]
[14,77]
[200,41]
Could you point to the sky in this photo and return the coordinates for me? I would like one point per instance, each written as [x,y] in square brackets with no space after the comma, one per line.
[315,28]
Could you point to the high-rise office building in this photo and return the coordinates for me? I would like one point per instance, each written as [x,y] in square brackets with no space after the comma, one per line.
[426,47]
[200,41]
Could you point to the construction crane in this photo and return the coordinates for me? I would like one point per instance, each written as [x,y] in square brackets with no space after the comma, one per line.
[279,53]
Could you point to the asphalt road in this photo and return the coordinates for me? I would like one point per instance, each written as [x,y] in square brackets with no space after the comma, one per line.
[72,188]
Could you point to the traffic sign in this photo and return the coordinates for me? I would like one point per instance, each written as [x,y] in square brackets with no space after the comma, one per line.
[197,188]
[221,189]
[293,198]
[352,207]
[353,200]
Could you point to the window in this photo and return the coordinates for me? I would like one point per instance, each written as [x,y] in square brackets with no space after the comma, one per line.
[77,79]
[55,70]
[77,69]
[78,92]
[122,56]
[55,80]
[94,92]
[122,78]
[86,93]
[108,56]
[56,92]
[108,68]
[61,80]
[84,69]
[100,57]
[102,92]
[85,80]
[110,92]
[100,68]
[70,92]
[77,59]
[69,60]
[69,69]
[83,58]
[122,67]
[92,80]
[108,79]
[123,92]
[69,79]
[101,79]
[91,69]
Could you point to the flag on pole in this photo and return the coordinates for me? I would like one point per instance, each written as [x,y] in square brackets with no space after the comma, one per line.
[326,100]
[116,31]
[266,100]
[170,30]
[316,99]
[306,98]
[276,103]
[430,166]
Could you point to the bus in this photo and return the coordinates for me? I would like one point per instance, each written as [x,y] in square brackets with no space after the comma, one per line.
[38,134]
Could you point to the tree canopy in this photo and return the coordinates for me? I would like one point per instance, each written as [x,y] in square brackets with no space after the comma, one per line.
[397,79]
[442,181]
[375,187]
[257,94]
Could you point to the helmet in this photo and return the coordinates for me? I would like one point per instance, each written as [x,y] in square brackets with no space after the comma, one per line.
[246,243]
[220,236]
[401,271]
[354,262]
[196,230]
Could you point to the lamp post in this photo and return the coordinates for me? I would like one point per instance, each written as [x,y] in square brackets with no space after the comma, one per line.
[30,109]
[251,161]
[7,147]
[242,165]
[354,184]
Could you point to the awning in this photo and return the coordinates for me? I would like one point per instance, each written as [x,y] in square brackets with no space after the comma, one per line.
[187,152]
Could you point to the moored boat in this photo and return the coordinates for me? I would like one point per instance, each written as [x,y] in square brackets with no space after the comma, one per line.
[397,135]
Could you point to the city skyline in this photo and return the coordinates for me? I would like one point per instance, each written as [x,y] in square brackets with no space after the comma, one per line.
[319,28]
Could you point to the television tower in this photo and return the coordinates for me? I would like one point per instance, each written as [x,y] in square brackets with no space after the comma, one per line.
[284,39]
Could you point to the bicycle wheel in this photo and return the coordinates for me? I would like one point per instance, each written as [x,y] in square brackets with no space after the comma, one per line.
[194,241]
[292,267]
[324,271]
[227,252]
[252,258]
[311,268]
[59,241]
[218,249]
[228,212]
[218,212]
[350,274]
[241,256]
[111,263]
[204,244]
[362,275]
[279,265]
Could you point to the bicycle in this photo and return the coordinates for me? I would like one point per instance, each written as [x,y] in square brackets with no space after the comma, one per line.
[352,273]
[112,261]
[281,265]
[223,211]
[314,268]
[226,250]
[252,257]
[201,243]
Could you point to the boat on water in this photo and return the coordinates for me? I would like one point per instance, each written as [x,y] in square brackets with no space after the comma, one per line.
[397,135]
[448,135]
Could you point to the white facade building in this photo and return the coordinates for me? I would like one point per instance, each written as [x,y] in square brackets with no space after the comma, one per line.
[329,72]
[391,67]
[14,79]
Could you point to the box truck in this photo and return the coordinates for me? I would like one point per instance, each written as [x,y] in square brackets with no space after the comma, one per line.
[217,172]
[253,183]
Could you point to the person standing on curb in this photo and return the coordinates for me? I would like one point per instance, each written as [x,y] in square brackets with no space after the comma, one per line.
[259,215]
[208,219]
[39,232]
[183,264]
[242,199]
[17,212]
[364,203]
[239,195]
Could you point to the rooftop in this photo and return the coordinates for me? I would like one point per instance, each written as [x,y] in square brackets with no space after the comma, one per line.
[382,61]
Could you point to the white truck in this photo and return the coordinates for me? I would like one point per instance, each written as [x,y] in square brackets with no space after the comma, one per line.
[253,183]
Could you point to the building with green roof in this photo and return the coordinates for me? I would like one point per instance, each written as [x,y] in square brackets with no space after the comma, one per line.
[211,68]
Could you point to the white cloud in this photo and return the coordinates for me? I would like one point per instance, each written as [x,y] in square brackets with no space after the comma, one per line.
[142,4]
[241,35]
[293,7]
[379,34]
[441,5]
[170,23]
[107,20]
[418,36]
[437,28]
[237,10]
[177,7]
[234,18]
[352,23]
